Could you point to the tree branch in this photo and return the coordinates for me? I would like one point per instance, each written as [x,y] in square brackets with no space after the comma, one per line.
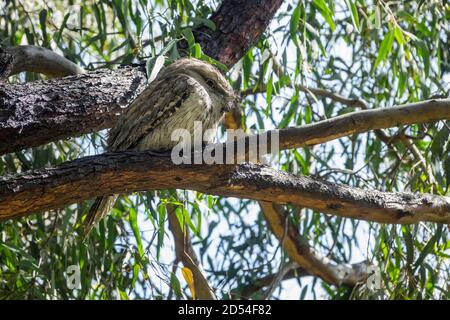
[186,254]
[306,257]
[125,172]
[14,60]
[247,291]
[45,111]
[42,112]
[39,112]
[363,121]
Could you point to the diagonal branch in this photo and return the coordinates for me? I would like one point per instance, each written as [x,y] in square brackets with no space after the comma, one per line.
[306,257]
[186,254]
[42,112]
[125,172]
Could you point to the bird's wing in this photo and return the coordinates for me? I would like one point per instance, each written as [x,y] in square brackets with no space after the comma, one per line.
[157,102]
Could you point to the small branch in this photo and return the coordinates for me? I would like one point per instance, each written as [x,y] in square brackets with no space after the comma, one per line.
[14,60]
[284,270]
[186,254]
[279,71]
[299,251]
[247,291]
[125,172]
[418,155]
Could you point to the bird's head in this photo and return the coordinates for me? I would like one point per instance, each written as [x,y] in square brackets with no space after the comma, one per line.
[211,79]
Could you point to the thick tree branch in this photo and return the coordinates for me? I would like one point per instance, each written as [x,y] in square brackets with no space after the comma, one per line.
[125,172]
[42,112]
[35,113]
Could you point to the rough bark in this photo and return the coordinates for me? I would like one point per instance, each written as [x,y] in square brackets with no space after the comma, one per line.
[39,112]
[45,111]
[107,174]
[239,25]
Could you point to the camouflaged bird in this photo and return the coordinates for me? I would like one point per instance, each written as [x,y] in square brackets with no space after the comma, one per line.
[186,91]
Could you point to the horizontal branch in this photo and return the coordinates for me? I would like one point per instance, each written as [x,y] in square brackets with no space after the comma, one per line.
[125,172]
[364,121]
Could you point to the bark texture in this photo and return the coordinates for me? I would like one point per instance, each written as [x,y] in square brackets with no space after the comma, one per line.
[126,172]
[39,112]
[239,25]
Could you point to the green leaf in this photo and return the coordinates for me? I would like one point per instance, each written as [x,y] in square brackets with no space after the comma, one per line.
[290,113]
[424,53]
[269,88]
[135,229]
[197,51]
[189,36]
[293,25]
[161,230]
[43,22]
[175,285]
[168,47]
[429,247]
[399,35]
[354,13]
[385,48]
[325,11]
[409,244]
[123,295]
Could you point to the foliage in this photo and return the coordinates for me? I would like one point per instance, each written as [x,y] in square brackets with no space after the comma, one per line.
[385,53]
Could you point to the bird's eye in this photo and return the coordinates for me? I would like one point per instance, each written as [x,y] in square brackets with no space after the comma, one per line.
[211,83]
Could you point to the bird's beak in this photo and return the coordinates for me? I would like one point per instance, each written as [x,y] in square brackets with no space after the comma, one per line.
[232,104]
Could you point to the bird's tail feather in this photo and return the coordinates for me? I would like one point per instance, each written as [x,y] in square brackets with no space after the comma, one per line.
[99,209]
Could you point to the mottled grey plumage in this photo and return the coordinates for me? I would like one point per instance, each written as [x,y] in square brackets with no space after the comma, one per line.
[188,90]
